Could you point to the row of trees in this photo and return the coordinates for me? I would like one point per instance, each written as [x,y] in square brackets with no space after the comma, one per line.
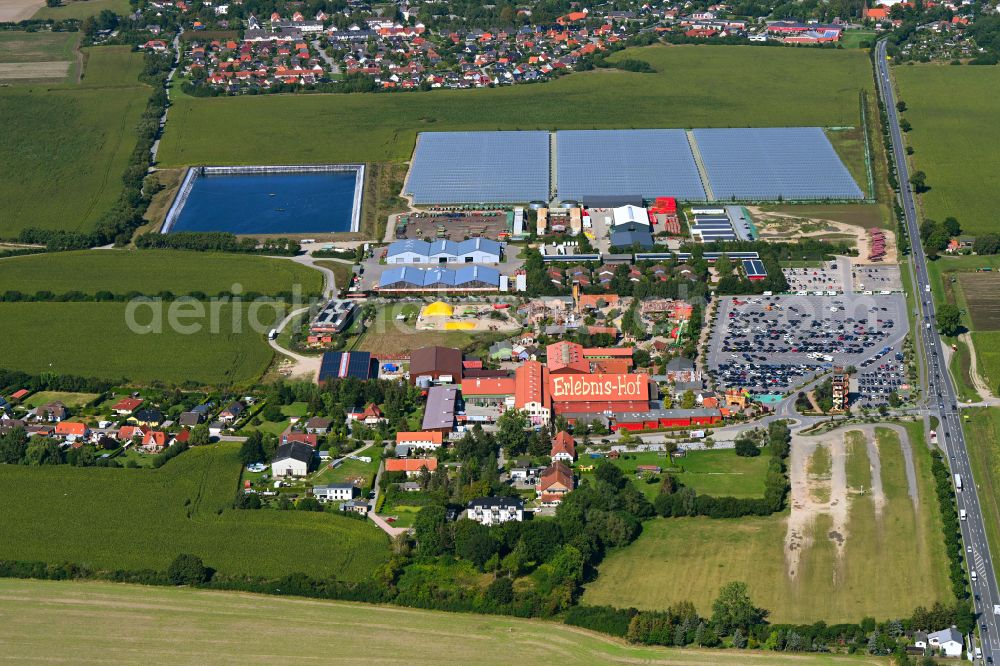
[950,525]
[217,241]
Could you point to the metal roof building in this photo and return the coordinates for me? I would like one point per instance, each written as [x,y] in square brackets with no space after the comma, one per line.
[479,167]
[768,163]
[471,251]
[710,228]
[631,234]
[466,278]
[606,163]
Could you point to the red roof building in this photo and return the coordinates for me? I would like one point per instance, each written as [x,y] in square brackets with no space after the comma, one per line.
[17,395]
[154,440]
[598,393]
[556,481]
[531,391]
[301,437]
[71,429]
[563,447]
[412,466]
[566,358]
[126,406]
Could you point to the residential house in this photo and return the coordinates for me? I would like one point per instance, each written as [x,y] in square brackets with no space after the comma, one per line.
[495,510]
[371,415]
[563,447]
[411,466]
[335,492]
[292,459]
[300,437]
[126,406]
[318,425]
[72,430]
[556,481]
[949,641]
[154,441]
[358,506]
[233,412]
[148,417]
[52,412]
[426,441]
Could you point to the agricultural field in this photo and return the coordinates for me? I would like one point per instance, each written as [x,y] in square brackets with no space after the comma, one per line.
[694,87]
[229,626]
[71,400]
[141,519]
[95,340]
[81,9]
[853,545]
[982,437]
[34,57]
[153,271]
[64,148]
[954,138]
[982,298]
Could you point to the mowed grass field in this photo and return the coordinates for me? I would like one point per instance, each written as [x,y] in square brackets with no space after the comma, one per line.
[153,271]
[81,9]
[64,148]
[66,398]
[694,86]
[143,518]
[31,57]
[231,627]
[953,111]
[96,340]
[889,566]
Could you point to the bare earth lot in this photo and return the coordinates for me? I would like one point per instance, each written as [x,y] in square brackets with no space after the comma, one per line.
[34,70]
[982,296]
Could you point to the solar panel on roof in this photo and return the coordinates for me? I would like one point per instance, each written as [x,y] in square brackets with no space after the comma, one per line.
[793,163]
[754,268]
[606,163]
[480,167]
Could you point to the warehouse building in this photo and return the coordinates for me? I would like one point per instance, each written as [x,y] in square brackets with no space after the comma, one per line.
[471,251]
[335,317]
[441,407]
[467,278]
[436,364]
[712,225]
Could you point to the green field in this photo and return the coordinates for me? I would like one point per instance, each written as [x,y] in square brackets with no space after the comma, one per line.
[17,47]
[694,87]
[64,148]
[982,438]
[153,271]
[889,566]
[95,340]
[955,135]
[140,519]
[204,627]
[69,399]
[81,9]
[852,39]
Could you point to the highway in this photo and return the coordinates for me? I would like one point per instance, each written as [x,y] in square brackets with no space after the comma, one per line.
[940,395]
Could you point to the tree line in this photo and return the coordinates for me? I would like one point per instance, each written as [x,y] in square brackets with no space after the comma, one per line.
[217,241]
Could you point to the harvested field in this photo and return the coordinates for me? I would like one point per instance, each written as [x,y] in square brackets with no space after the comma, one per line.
[34,71]
[982,298]
[12,11]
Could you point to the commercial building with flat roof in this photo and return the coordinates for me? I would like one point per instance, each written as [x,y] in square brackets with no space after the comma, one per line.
[338,365]
[471,251]
[335,317]
[439,416]
[467,278]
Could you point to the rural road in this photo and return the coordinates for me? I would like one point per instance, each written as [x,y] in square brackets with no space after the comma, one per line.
[940,390]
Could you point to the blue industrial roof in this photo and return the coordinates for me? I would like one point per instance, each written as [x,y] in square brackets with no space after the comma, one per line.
[754,268]
[422,277]
[623,236]
[337,365]
[480,167]
[649,162]
[447,247]
[793,163]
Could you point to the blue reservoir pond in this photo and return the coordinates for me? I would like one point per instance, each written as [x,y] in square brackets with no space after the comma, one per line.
[270,203]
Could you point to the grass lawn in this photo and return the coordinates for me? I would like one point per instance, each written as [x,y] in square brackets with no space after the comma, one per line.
[69,399]
[954,138]
[81,9]
[888,567]
[982,436]
[64,148]
[403,515]
[851,39]
[359,473]
[95,340]
[230,626]
[804,87]
[138,519]
[341,272]
[153,271]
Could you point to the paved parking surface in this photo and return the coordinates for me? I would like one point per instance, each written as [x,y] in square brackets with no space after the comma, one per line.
[877,278]
[828,277]
[774,343]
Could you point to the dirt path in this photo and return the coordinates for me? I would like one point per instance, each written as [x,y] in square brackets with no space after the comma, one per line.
[904,440]
[978,383]
[875,467]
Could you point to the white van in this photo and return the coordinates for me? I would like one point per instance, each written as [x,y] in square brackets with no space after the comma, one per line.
[961,514]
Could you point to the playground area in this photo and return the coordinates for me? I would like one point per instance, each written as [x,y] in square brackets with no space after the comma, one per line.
[441,316]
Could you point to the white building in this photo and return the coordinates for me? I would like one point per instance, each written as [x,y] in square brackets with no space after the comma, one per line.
[335,492]
[629,214]
[472,251]
[947,640]
[292,459]
[496,510]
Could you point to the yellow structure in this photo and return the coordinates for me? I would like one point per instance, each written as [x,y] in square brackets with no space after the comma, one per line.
[459,325]
[437,309]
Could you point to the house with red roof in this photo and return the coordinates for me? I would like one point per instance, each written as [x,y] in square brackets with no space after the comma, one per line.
[555,483]
[71,429]
[154,441]
[563,447]
[126,406]
[301,437]
[412,466]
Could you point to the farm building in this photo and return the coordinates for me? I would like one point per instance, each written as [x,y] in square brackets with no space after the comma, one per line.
[471,251]
[440,413]
[665,418]
[488,391]
[531,392]
[438,364]
[292,459]
[467,278]
[632,234]
[598,393]
[338,365]
[335,317]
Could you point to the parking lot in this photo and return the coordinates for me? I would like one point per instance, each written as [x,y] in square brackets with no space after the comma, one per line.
[772,344]
[453,225]
[827,277]
[877,278]
[878,377]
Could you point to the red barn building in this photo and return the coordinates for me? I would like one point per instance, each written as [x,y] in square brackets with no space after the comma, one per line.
[598,393]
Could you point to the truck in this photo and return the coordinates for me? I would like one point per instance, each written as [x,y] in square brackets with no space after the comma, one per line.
[996,609]
[958,481]
[272,334]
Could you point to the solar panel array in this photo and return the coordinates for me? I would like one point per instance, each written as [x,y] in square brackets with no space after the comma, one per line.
[711,228]
[792,163]
[337,365]
[480,167]
[754,268]
[650,162]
